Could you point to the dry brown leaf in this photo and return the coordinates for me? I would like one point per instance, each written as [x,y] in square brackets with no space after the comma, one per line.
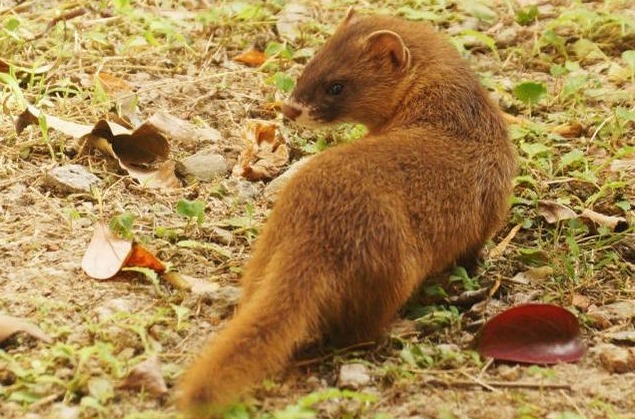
[500,247]
[143,258]
[32,114]
[252,58]
[147,376]
[514,120]
[142,152]
[113,85]
[182,131]
[160,177]
[106,253]
[617,224]
[10,325]
[568,130]
[553,211]
[266,152]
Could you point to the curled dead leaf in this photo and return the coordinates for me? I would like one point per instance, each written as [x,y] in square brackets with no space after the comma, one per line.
[265,154]
[553,211]
[252,58]
[106,253]
[568,130]
[616,224]
[143,258]
[147,376]
[10,325]
[160,177]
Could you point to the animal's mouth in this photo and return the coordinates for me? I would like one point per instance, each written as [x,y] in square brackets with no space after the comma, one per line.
[300,114]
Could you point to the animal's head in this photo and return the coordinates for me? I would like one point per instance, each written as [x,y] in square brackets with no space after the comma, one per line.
[354,77]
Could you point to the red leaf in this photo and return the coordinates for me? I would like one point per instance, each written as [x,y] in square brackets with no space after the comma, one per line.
[532,333]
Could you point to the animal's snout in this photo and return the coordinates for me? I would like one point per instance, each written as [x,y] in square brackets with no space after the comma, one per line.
[291,111]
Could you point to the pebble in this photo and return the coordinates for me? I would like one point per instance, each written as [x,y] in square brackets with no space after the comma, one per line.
[203,166]
[353,376]
[72,178]
[617,359]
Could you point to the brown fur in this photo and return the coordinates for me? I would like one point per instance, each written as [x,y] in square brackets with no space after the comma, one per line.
[360,226]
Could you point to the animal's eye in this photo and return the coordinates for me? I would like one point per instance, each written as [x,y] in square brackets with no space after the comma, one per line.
[335,89]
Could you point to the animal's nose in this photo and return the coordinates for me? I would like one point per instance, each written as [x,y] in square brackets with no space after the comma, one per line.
[291,111]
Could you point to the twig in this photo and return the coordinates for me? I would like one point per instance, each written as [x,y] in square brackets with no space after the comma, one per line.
[500,384]
[311,361]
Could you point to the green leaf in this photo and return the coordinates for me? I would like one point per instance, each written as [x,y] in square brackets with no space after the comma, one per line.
[479,10]
[191,209]
[122,225]
[487,40]
[279,49]
[535,149]
[629,58]
[527,15]
[283,82]
[529,92]
[11,24]
[572,157]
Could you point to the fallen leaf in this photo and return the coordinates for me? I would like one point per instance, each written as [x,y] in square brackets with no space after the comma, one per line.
[266,152]
[161,177]
[500,247]
[616,224]
[252,58]
[147,376]
[196,285]
[182,131]
[106,253]
[10,325]
[537,274]
[568,130]
[141,257]
[112,84]
[553,211]
[32,114]
[142,152]
[532,333]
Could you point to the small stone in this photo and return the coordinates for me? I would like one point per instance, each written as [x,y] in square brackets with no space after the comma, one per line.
[624,337]
[109,308]
[617,359]
[244,190]
[72,178]
[353,376]
[273,189]
[203,166]
[62,411]
[615,312]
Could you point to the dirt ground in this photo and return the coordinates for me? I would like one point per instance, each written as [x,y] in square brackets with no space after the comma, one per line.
[575,145]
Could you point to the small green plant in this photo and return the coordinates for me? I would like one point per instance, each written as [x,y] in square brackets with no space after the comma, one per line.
[530,92]
[122,225]
[191,209]
[527,15]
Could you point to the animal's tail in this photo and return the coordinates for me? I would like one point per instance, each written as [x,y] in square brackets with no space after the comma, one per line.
[258,341]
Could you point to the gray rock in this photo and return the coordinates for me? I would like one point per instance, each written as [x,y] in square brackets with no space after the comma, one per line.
[273,189]
[203,166]
[72,178]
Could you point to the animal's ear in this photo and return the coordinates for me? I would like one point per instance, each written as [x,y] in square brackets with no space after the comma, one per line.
[389,44]
[351,17]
